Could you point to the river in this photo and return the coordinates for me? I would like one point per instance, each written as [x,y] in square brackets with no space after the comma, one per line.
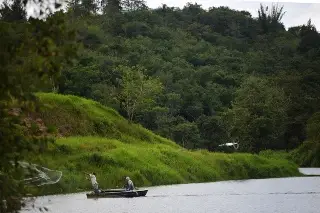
[276,195]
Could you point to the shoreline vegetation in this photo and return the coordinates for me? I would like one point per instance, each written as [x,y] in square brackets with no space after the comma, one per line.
[168,84]
[94,138]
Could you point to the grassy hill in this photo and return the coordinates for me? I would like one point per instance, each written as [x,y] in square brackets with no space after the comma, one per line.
[71,115]
[91,137]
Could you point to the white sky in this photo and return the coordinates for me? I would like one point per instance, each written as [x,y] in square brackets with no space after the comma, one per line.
[297,12]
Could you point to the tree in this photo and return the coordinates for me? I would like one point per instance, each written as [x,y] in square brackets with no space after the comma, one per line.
[202,57]
[132,5]
[13,12]
[270,22]
[310,38]
[111,7]
[112,16]
[75,7]
[308,153]
[187,134]
[137,90]
[89,6]
[313,127]
[213,131]
[80,8]
[258,115]
[30,52]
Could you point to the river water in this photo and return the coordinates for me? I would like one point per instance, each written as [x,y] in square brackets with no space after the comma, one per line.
[278,195]
[310,171]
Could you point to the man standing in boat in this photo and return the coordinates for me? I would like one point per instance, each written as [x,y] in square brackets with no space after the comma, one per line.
[129,185]
[94,182]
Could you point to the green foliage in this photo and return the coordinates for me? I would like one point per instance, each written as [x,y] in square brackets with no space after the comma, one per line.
[134,29]
[281,154]
[214,132]
[72,115]
[310,39]
[150,164]
[313,127]
[137,90]
[188,133]
[258,113]
[307,154]
[133,5]
[203,59]
[13,11]
[271,22]
[111,7]
[221,75]
[32,54]
[85,8]
[134,151]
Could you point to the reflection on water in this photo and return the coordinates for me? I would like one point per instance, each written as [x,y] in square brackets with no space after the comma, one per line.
[281,195]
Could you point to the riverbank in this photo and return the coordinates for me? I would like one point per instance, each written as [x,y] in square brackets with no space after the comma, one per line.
[94,138]
[149,165]
[306,155]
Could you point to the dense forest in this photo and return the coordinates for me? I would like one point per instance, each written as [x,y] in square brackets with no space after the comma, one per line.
[199,77]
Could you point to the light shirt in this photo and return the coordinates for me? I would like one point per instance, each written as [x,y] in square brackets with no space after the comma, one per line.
[93,179]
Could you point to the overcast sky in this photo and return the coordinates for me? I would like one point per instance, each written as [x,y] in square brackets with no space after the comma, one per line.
[297,13]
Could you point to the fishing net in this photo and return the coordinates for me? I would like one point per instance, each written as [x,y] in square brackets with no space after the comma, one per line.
[38,175]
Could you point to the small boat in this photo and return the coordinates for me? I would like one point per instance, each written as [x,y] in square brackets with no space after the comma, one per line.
[117,193]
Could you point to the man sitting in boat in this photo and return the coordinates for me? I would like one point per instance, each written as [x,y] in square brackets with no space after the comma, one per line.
[129,185]
[94,182]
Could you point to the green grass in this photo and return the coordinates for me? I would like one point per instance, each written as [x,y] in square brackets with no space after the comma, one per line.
[275,154]
[96,138]
[72,115]
[307,154]
[149,164]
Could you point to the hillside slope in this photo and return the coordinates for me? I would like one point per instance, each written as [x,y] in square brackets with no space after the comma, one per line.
[71,115]
[96,138]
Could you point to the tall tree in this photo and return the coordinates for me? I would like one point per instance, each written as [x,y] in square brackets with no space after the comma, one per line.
[137,90]
[89,6]
[258,115]
[187,134]
[14,11]
[310,38]
[113,18]
[270,21]
[111,7]
[75,7]
[83,7]
[132,5]
[30,52]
